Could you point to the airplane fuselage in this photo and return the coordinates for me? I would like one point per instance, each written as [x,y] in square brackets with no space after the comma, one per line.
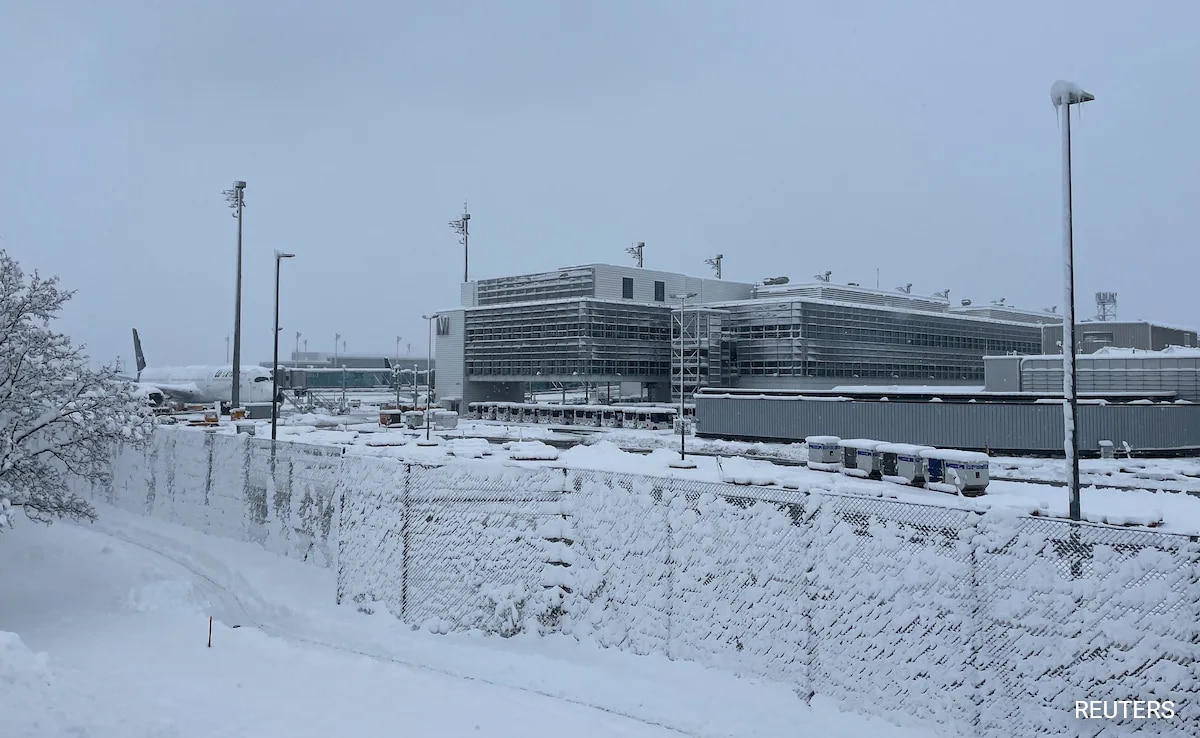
[203,384]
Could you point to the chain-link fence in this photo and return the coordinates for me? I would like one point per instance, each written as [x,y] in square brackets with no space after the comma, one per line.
[983,624]
[988,624]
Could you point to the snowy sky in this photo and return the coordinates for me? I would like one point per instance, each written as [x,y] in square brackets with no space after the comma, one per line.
[916,138]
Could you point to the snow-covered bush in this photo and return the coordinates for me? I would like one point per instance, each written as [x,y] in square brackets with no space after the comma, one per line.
[59,418]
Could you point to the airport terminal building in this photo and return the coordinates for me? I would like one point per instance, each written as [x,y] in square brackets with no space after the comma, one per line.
[603,323]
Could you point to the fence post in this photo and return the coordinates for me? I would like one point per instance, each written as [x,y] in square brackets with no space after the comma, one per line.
[558,536]
[974,641]
[666,500]
[809,518]
[209,440]
[404,529]
[152,477]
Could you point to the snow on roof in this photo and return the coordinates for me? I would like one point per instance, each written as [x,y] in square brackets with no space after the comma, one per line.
[949,454]
[864,443]
[1113,352]
[1091,323]
[899,389]
[906,449]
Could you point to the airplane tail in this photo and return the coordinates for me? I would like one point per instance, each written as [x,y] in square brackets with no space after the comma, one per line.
[137,352]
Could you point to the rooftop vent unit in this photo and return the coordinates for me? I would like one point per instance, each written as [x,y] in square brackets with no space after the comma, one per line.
[966,303]
[775,280]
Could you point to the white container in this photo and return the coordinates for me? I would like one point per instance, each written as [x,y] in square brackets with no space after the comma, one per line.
[447,419]
[824,454]
[859,458]
[954,471]
[902,462]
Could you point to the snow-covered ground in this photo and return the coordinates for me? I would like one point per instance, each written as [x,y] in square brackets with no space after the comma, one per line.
[1154,496]
[104,629]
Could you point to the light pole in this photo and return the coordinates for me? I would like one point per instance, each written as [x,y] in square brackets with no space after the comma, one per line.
[236,197]
[682,297]
[297,350]
[428,364]
[1064,95]
[279,257]
[461,226]
[336,338]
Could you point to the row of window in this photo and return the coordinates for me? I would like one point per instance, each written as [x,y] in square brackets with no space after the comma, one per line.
[551,366]
[847,370]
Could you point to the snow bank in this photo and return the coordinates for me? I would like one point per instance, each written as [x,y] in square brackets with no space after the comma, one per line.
[28,700]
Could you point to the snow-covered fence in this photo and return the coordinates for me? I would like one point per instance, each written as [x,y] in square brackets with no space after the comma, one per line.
[224,485]
[448,547]
[986,625]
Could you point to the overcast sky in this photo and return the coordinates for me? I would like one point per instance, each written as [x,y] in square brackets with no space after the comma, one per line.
[914,138]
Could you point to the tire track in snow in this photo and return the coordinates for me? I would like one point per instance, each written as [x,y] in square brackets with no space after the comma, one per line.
[233,603]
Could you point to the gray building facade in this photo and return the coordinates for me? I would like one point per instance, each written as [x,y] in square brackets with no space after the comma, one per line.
[1093,335]
[1168,374]
[603,323]
[996,427]
[589,324]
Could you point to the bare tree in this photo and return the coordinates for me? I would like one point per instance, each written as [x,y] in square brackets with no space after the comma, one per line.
[58,417]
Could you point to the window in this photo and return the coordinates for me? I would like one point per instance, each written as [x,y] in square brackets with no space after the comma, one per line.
[627,288]
[660,291]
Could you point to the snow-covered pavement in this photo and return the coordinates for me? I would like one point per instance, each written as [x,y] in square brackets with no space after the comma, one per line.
[120,609]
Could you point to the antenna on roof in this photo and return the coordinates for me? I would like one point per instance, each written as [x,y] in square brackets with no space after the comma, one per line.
[636,251]
[1106,305]
[822,277]
[906,289]
[461,226]
[715,263]
[1052,309]
[943,295]
[998,302]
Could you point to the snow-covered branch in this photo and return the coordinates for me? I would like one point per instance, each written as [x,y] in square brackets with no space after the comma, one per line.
[58,416]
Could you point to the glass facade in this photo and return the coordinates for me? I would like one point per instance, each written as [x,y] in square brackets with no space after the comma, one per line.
[568,339]
[804,338]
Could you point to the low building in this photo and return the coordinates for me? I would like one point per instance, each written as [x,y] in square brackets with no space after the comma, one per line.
[1093,335]
[1172,373]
